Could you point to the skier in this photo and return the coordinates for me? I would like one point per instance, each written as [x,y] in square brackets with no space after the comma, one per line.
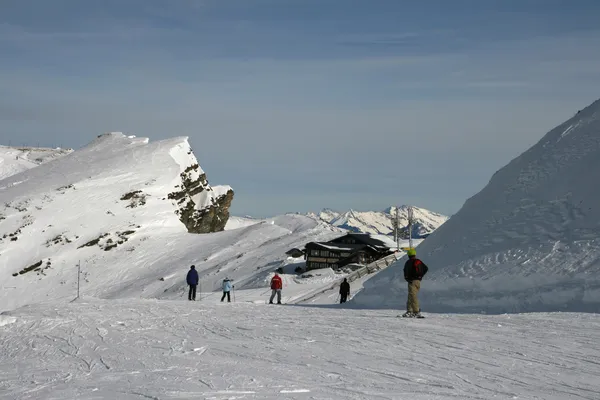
[344,291]
[414,271]
[227,289]
[276,286]
[192,280]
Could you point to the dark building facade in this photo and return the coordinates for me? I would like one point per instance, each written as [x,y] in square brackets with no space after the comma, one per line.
[360,248]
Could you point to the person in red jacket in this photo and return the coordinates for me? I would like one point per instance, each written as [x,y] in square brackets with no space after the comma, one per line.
[276,286]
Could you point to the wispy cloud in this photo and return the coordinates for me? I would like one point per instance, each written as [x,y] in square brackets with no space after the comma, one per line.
[334,99]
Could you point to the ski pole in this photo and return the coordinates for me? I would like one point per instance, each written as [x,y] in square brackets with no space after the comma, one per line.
[234,294]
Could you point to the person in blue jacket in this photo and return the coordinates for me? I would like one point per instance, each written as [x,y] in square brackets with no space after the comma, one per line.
[192,280]
[227,289]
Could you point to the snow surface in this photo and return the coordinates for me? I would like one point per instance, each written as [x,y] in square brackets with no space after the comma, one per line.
[381,222]
[153,349]
[76,200]
[14,160]
[235,222]
[529,241]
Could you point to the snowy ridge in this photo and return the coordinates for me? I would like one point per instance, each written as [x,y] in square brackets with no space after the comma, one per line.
[14,160]
[382,222]
[529,241]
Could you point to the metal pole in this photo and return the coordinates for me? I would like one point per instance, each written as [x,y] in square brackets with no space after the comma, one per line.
[410,223]
[78,275]
[397,229]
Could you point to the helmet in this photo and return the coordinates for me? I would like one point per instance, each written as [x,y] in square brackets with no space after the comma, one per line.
[411,252]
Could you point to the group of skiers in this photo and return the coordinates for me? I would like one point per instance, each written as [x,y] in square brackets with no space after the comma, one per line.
[414,271]
[193,279]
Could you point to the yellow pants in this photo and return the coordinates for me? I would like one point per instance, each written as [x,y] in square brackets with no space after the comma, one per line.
[412,305]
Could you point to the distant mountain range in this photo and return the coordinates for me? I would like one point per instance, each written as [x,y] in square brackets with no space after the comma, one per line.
[382,222]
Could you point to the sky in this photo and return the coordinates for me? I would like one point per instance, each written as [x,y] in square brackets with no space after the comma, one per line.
[301,105]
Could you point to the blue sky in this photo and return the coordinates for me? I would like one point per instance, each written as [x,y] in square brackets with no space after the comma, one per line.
[301,105]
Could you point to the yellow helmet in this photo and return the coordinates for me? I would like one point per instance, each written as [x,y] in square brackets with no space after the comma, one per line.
[411,252]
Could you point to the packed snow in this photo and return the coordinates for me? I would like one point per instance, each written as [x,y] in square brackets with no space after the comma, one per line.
[382,222]
[156,349]
[529,241]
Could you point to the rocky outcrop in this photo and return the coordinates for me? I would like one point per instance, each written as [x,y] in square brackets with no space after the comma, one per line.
[200,207]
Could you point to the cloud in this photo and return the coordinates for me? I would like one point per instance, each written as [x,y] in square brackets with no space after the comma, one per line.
[313,119]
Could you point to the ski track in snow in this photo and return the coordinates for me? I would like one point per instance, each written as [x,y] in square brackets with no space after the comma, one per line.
[136,349]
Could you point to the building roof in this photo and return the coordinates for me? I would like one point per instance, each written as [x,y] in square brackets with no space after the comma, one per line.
[352,248]
[372,240]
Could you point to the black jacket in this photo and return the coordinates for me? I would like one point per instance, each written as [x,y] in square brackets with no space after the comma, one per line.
[414,270]
[345,288]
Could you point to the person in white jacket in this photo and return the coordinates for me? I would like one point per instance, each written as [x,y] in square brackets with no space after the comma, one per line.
[227,286]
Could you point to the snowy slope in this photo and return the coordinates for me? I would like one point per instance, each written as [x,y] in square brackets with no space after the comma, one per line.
[235,222]
[529,241]
[14,160]
[381,222]
[118,205]
[148,349]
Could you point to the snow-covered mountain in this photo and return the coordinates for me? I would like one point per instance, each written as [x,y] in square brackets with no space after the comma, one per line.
[529,241]
[382,222]
[18,159]
[102,204]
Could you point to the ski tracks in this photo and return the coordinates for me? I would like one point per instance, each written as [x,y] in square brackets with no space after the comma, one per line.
[173,350]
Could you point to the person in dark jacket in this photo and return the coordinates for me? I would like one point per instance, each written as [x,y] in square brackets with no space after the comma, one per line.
[414,271]
[344,291]
[192,280]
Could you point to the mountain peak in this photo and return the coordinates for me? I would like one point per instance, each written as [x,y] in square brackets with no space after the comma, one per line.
[382,222]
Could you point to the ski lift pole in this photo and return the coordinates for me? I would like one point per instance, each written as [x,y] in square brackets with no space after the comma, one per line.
[397,229]
[78,277]
[410,224]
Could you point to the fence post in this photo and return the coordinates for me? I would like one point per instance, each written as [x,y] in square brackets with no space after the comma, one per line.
[78,276]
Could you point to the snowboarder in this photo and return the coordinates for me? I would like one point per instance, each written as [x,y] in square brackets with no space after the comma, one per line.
[344,291]
[414,271]
[276,286]
[227,289]
[192,280]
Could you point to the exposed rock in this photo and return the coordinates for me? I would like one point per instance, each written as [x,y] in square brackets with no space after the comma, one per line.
[136,198]
[201,208]
[210,219]
[93,242]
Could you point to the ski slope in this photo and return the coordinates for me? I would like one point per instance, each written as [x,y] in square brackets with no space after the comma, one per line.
[108,208]
[152,349]
[528,241]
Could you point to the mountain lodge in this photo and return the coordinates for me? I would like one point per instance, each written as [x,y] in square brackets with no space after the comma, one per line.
[360,248]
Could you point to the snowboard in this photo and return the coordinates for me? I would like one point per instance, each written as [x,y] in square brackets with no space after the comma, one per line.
[420,317]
